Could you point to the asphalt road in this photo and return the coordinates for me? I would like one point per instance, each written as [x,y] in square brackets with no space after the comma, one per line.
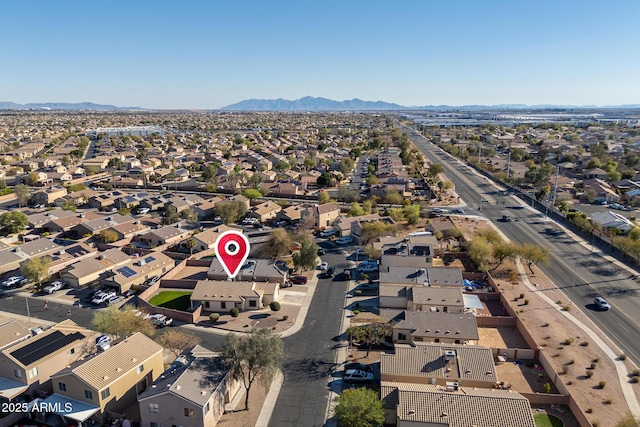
[579,272]
[310,354]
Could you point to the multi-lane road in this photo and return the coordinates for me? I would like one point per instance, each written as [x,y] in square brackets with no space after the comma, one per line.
[577,267]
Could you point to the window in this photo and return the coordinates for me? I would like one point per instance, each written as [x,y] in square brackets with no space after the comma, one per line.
[253,303]
[62,386]
[206,304]
[206,408]
[154,424]
[17,373]
[189,412]
[457,341]
[223,305]
[88,394]
[105,393]
[153,408]
[140,368]
[33,372]
[436,340]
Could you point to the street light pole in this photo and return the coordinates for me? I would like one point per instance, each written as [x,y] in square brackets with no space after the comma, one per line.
[26,300]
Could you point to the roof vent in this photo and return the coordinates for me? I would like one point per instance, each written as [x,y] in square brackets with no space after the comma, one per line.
[411,412]
[444,414]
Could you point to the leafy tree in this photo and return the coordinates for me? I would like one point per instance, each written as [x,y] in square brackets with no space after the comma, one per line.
[124,211]
[282,166]
[279,244]
[255,181]
[480,252]
[373,230]
[191,243]
[503,251]
[629,420]
[36,269]
[189,214]
[32,178]
[13,221]
[209,173]
[230,211]
[177,340]
[323,197]
[325,180]
[107,236]
[411,213]
[533,255]
[121,323]
[23,194]
[370,334]
[251,193]
[256,355]
[306,257]
[345,165]
[359,407]
[114,163]
[76,187]
[171,215]
[393,197]
[356,209]
[435,169]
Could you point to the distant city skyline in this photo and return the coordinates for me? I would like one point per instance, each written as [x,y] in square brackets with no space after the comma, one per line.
[207,55]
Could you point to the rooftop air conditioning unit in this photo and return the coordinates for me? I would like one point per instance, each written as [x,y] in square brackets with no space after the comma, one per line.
[449,354]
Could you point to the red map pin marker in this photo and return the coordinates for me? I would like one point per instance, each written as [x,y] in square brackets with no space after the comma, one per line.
[232,249]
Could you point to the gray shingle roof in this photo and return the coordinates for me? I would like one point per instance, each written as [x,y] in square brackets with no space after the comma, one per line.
[440,325]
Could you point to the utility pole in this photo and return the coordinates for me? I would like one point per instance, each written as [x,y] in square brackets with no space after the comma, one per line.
[508,164]
[555,189]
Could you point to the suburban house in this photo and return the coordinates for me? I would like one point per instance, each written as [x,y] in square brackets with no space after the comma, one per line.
[167,235]
[356,226]
[257,270]
[11,258]
[463,365]
[206,239]
[292,213]
[427,405]
[265,211]
[26,366]
[325,215]
[138,270]
[220,296]
[608,219]
[66,223]
[602,190]
[48,195]
[110,380]
[37,220]
[96,225]
[192,391]
[410,251]
[91,269]
[68,255]
[436,327]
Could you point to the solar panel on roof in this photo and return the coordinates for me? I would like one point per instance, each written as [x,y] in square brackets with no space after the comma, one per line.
[44,346]
[126,272]
[149,259]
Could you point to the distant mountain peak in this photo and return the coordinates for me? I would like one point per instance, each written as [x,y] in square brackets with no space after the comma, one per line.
[62,106]
[310,103]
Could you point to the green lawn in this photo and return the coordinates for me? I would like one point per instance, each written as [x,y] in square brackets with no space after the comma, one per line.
[547,420]
[177,300]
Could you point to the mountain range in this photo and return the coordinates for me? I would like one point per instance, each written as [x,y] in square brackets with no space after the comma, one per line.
[62,106]
[309,103]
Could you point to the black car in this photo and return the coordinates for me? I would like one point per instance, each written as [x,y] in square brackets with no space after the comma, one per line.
[321,252]
[330,271]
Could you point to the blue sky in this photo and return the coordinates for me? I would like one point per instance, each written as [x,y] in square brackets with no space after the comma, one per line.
[208,54]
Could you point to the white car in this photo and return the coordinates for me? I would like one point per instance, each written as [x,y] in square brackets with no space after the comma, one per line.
[53,287]
[160,320]
[344,240]
[367,267]
[143,211]
[327,233]
[12,281]
[356,375]
[602,303]
[439,210]
[102,298]
[324,266]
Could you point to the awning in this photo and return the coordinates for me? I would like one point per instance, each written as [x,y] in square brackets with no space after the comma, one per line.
[10,389]
[71,408]
[472,301]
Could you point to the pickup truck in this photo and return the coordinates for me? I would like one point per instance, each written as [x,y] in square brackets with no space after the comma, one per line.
[54,287]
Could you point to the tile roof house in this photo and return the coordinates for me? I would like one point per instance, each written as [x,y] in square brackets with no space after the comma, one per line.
[608,219]
[258,270]
[110,380]
[602,189]
[49,195]
[169,234]
[436,327]
[27,365]
[426,405]
[206,239]
[92,269]
[192,391]
[265,211]
[102,223]
[466,365]
[220,296]
[138,270]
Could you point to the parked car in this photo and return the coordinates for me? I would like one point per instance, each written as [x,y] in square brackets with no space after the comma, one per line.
[601,303]
[327,233]
[115,299]
[358,376]
[103,342]
[12,281]
[299,280]
[321,252]
[142,211]
[324,266]
[357,366]
[160,320]
[286,284]
[103,297]
[344,240]
[54,287]
[367,267]
[368,287]
[330,271]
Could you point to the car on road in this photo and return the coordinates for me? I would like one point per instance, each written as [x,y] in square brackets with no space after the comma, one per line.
[344,240]
[457,211]
[358,376]
[327,233]
[367,267]
[299,280]
[439,210]
[324,266]
[506,218]
[601,303]
[54,287]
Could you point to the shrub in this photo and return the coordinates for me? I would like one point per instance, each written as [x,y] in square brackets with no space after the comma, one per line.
[569,382]
[358,291]
[636,373]
[595,360]
[589,374]
[635,380]
[285,317]
[559,302]
[584,344]
[593,366]
[568,341]
[356,312]
[275,306]
[526,302]
[234,312]
[571,362]
[589,410]
[544,325]
[521,296]
[214,317]
[546,388]
[622,356]
[608,402]
[566,307]
[601,384]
